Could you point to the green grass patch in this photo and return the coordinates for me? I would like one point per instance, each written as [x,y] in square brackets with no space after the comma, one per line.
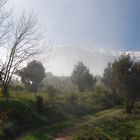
[136,131]
[110,125]
[48,133]
[21,115]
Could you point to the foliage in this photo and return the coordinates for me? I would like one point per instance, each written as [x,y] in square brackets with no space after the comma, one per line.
[16,86]
[105,97]
[90,132]
[82,77]
[126,81]
[51,91]
[108,77]
[32,75]
[79,104]
[23,42]
[20,115]
[4,124]
[61,83]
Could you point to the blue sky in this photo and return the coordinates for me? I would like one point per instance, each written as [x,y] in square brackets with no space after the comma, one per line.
[111,24]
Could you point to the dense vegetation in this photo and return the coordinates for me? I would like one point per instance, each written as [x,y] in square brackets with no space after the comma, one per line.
[23,111]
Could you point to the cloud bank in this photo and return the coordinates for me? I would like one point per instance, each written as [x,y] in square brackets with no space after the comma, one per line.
[64,57]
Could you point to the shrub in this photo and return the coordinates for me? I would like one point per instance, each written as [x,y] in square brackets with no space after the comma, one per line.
[5,126]
[90,132]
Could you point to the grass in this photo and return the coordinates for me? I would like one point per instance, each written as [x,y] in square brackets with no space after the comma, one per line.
[51,132]
[21,114]
[136,131]
[48,133]
[110,125]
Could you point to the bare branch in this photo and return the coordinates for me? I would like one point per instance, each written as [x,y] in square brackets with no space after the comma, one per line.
[25,43]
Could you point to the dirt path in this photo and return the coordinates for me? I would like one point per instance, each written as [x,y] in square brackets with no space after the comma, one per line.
[65,135]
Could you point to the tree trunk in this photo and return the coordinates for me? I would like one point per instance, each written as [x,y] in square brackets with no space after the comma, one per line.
[5,91]
[35,93]
[130,106]
[35,90]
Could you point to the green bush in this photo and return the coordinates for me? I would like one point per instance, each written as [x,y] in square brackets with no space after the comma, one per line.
[19,115]
[90,132]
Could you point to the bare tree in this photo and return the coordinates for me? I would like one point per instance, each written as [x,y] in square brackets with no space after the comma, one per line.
[25,42]
[5,17]
[4,29]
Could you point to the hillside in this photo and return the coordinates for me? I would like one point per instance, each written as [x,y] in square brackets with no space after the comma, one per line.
[112,124]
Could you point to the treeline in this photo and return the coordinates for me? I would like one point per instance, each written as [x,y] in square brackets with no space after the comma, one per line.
[82,93]
[119,85]
[78,94]
[123,77]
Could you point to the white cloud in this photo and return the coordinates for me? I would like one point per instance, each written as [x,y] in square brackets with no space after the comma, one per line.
[64,57]
[96,58]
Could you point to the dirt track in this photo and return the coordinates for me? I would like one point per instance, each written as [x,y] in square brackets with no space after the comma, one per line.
[65,135]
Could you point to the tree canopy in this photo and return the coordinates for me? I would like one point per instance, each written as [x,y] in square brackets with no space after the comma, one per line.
[127,82]
[82,77]
[33,74]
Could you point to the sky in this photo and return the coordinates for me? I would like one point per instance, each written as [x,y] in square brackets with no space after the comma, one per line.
[92,31]
[113,24]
